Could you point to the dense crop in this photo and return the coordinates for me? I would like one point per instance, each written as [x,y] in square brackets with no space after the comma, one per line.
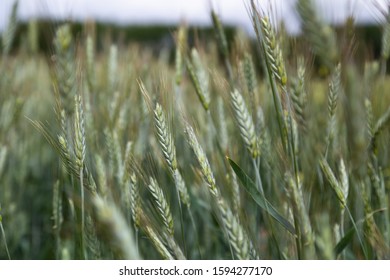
[268,148]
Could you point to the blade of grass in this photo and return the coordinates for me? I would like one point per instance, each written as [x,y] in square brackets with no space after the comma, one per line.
[251,188]
[343,243]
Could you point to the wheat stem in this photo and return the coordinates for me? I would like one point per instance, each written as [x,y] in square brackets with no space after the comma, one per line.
[3,234]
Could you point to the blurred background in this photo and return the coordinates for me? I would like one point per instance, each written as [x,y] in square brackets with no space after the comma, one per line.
[194,12]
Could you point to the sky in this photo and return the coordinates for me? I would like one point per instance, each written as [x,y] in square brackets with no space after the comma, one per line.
[195,12]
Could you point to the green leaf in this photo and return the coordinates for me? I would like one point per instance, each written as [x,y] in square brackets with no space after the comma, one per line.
[251,188]
[347,238]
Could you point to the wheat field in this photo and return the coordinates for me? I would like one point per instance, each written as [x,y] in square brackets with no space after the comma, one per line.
[222,147]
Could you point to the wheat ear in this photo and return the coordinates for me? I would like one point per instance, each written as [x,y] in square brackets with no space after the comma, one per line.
[298,94]
[273,52]
[236,234]
[65,67]
[301,213]
[158,243]
[165,138]
[135,201]
[245,123]
[162,205]
[202,159]
[181,44]
[320,35]
[167,145]
[199,78]
[79,151]
[8,35]
[334,91]
[113,221]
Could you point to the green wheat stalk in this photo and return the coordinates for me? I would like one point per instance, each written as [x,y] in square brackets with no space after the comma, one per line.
[3,234]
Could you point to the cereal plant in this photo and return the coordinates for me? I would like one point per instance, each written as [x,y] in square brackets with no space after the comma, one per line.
[264,147]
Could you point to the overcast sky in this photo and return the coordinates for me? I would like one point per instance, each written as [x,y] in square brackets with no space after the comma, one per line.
[193,11]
